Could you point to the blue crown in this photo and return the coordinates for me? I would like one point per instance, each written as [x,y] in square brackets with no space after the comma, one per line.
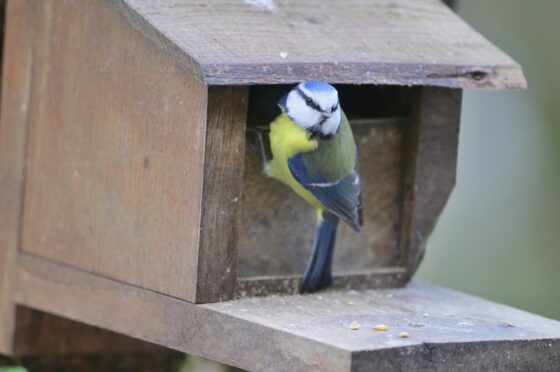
[318,86]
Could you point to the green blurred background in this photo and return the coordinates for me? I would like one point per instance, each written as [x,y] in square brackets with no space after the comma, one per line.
[499,236]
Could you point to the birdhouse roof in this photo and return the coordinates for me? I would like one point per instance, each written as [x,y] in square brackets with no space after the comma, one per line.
[243,42]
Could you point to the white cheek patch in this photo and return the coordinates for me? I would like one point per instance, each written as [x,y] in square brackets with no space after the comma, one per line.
[331,125]
[310,118]
[303,115]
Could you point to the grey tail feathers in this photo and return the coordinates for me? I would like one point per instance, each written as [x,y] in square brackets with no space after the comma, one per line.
[318,273]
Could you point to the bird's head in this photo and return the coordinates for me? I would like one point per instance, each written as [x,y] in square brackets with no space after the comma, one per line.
[313,105]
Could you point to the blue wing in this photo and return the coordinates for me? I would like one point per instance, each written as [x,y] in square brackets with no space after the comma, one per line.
[342,196]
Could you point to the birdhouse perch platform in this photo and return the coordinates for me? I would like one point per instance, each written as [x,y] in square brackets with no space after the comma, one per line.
[133,198]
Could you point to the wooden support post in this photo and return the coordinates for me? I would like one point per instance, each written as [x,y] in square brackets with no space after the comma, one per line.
[221,193]
[13,128]
[430,165]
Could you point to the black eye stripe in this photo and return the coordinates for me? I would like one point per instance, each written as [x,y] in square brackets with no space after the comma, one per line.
[308,101]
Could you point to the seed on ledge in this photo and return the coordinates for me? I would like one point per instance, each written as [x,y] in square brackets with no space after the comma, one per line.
[403,335]
[354,325]
[381,327]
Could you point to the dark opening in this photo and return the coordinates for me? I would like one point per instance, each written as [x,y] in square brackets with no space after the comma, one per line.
[277,227]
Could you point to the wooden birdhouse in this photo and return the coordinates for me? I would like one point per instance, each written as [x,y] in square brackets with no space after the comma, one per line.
[132,185]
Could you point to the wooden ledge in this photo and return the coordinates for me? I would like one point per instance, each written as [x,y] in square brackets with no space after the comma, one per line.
[406,42]
[447,330]
[383,277]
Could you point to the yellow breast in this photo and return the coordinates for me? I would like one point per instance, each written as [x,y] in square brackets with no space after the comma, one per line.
[286,140]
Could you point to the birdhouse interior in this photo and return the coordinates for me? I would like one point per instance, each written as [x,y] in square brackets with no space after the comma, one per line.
[277,228]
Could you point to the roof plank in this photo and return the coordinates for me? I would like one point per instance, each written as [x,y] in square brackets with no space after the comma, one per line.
[241,42]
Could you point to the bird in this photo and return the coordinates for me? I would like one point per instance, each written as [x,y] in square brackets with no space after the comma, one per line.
[315,154]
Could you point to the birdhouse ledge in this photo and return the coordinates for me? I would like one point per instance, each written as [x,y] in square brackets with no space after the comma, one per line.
[427,328]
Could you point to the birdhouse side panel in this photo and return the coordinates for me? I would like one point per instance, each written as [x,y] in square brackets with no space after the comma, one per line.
[115,151]
[16,80]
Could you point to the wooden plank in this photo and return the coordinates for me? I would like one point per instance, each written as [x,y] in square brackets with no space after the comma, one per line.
[267,285]
[16,84]
[447,330]
[221,197]
[116,151]
[498,356]
[409,42]
[431,161]
[42,334]
[202,330]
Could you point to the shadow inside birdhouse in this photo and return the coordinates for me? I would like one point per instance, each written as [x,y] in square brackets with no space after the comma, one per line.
[277,227]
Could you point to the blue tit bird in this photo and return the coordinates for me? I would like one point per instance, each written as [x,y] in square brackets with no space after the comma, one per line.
[314,153]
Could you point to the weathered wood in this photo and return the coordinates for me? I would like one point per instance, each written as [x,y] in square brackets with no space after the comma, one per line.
[496,356]
[266,285]
[409,42]
[221,195]
[2,24]
[429,174]
[447,330]
[196,329]
[39,333]
[16,84]
[116,151]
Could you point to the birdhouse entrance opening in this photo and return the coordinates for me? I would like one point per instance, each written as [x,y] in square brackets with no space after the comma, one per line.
[277,227]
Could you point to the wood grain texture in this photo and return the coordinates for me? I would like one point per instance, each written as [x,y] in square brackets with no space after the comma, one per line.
[268,285]
[447,330]
[221,195]
[42,334]
[16,84]
[409,42]
[116,151]
[196,329]
[429,174]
